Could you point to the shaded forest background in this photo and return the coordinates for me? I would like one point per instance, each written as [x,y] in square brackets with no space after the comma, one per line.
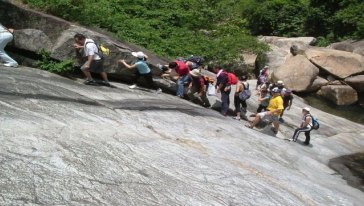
[216,29]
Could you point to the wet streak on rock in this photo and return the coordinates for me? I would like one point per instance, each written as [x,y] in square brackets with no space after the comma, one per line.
[351,167]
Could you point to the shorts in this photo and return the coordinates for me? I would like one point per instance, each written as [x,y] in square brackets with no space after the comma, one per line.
[96,66]
[268,117]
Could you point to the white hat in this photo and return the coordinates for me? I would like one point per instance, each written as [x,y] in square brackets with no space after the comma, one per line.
[276,90]
[306,109]
[139,55]
[266,67]
[196,73]
[280,82]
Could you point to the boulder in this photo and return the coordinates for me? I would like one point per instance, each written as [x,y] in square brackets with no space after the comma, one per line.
[317,84]
[274,58]
[249,60]
[297,73]
[283,42]
[338,63]
[349,46]
[357,82]
[339,94]
[32,40]
[56,36]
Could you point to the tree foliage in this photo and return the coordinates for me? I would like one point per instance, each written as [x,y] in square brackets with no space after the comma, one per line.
[217,29]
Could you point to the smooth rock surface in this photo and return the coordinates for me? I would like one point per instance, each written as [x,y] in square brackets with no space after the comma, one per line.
[65,143]
[357,82]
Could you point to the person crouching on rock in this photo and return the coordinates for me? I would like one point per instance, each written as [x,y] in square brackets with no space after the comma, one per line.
[142,70]
[306,126]
[274,108]
[94,62]
[197,88]
[184,78]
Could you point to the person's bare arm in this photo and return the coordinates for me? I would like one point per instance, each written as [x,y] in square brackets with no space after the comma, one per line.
[127,65]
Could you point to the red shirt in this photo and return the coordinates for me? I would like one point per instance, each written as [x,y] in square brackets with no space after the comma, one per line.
[182,68]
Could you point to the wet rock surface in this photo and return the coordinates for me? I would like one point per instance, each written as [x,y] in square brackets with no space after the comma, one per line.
[65,143]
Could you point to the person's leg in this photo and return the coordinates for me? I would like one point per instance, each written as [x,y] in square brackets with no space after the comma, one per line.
[191,94]
[260,108]
[237,107]
[276,126]
[296,133]
[205,100]
[104,76]
[86,72]
[308,137]
[243,109]
[256,120]
[299,130]
[5,38]
[225,101]
[181,85]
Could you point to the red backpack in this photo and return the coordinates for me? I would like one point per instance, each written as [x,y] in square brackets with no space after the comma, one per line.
[232,78]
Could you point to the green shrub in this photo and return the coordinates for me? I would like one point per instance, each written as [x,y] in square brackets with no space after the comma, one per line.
[49,64]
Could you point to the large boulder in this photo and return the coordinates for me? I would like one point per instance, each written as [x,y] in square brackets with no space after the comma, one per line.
[349,46]
[297,72]
[317,84]
[32,40]
[339,94]
[357,82]
[56,36]
[283,42]
[338,63]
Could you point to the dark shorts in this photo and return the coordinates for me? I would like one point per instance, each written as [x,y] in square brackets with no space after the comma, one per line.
[96,66]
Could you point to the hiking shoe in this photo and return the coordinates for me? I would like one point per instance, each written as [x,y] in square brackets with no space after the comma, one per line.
[11,65]
[236,118]
[133,86]
[106,83]
[249,126]
[89,81]
[281,120]
[159,90]
[305,143]
[273,130]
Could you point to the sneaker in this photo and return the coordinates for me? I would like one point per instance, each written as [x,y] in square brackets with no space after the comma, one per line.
[89,81]
[249,126]
[236,118]
[11,65]
[159,90]
[305,143]
[281,120]
[106,83]
[133,86]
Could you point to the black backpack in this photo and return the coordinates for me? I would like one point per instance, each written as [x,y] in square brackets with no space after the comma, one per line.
[199,60]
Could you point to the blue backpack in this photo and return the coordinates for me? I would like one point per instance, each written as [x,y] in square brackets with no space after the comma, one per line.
[315,122]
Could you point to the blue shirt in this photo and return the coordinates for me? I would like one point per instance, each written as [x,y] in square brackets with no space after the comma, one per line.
[142,67]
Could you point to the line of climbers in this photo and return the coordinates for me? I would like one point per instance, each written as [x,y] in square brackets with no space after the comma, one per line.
[273,98]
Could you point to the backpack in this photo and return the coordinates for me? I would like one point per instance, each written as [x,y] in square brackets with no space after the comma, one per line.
[198,60]
[263,78]
[315,122]
[245,94]
[232,78]
[102,50]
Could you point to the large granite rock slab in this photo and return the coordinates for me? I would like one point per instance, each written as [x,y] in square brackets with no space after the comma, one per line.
[339,94]
[297,72]
[338,63]
[65,143]
[357,82]
[349,46]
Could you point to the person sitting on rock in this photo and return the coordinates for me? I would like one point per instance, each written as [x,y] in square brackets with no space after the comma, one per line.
[6,36]
[305,126]
[274,109]
[142,70]
[197,88]
[240,105]
[94,61]
[287,102]
[184,76]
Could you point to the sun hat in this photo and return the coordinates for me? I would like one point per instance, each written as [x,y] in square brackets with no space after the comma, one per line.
[195,73]
[306,109]
[139,55]
[280,82]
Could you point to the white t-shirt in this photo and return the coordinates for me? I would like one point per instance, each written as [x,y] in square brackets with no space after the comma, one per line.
[91,49]
[2,28]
